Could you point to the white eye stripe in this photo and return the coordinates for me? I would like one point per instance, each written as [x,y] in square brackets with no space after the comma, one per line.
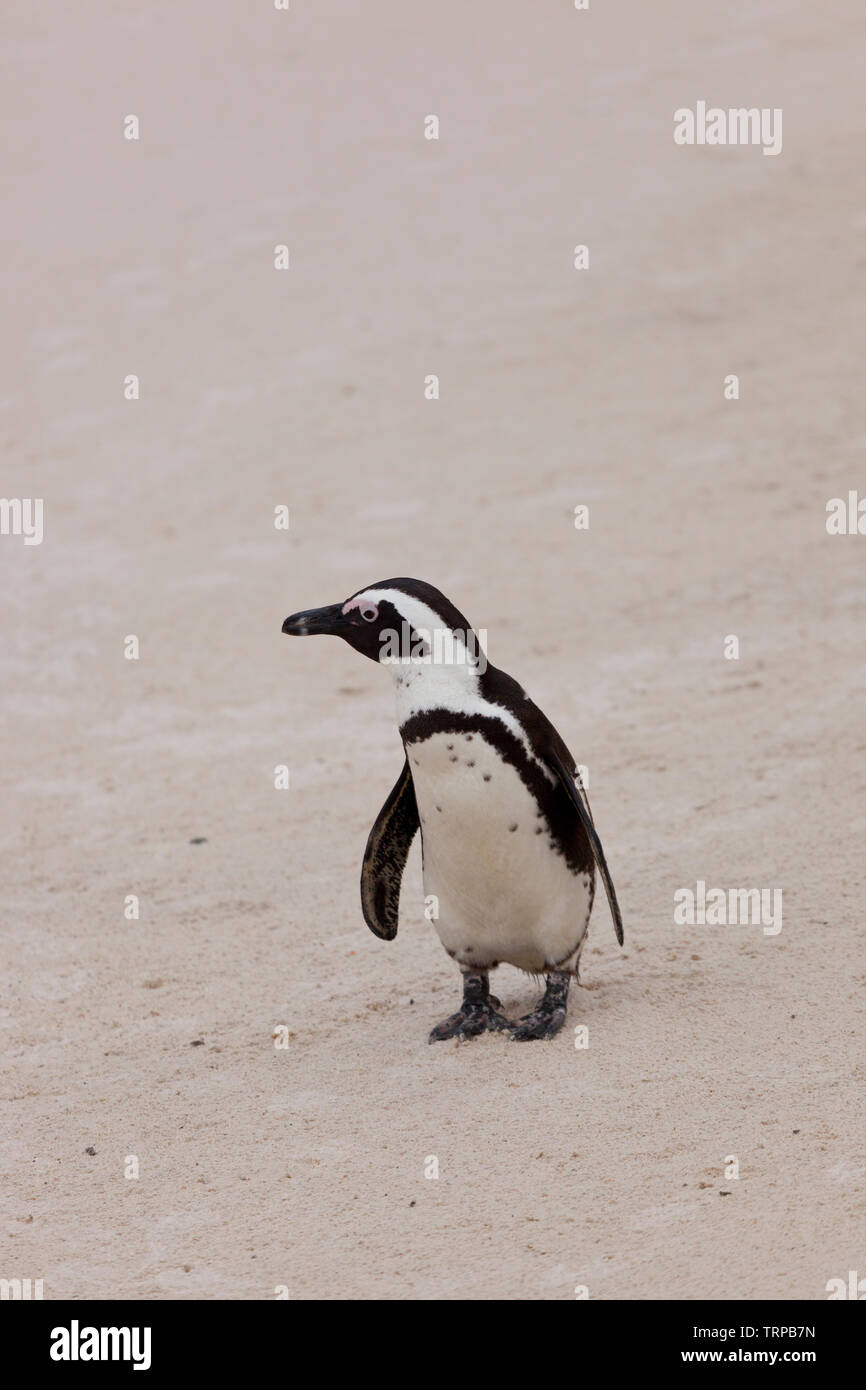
[369,611]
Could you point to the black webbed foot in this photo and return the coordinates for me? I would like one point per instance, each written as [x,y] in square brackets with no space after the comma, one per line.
[548,1017]
[541,1023]
[477,1014]
[468,1023]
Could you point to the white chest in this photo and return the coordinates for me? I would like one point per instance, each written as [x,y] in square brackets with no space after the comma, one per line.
[501,890]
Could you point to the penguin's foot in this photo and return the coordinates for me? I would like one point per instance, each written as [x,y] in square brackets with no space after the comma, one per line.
[477,1014]
[468,1023]
[546,1020]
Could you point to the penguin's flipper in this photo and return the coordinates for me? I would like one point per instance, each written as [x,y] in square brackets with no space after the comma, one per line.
[580,802]
[385,857]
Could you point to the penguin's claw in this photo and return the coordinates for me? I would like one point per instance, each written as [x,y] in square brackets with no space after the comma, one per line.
[468,1022]
[541,1023]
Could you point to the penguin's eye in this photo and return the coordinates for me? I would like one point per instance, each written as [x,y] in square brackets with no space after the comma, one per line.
[369,612]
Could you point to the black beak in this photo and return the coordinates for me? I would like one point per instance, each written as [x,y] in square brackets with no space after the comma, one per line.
[314,620]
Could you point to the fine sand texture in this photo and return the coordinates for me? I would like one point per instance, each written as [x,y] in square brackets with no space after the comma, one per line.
[708,1141]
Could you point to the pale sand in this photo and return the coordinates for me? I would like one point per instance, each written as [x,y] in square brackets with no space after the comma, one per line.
[305,1167]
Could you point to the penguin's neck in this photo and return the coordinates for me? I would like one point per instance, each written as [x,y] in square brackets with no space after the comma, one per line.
[419,687]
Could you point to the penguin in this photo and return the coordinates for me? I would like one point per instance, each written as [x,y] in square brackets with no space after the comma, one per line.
[509,846]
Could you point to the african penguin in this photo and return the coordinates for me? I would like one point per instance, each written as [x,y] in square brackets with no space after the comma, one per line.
[509,848]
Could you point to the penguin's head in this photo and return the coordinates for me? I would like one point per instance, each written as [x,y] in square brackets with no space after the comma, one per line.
[395,622]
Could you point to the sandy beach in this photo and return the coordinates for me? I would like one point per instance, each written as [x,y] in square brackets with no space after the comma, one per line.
[708,1142]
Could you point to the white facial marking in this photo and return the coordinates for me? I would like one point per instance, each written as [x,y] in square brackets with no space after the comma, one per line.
[368,610]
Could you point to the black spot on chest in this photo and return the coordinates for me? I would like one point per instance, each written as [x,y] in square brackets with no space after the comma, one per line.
[567,835]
